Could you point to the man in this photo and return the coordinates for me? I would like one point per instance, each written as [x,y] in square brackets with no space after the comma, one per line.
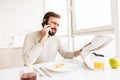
[43,45]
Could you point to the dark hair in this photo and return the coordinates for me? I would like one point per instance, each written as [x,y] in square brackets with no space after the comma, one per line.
[48,15]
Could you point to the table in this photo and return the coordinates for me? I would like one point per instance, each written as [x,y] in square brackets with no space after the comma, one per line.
[82,73]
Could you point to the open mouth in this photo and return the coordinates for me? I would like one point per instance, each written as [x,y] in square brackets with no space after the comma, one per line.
[53,29]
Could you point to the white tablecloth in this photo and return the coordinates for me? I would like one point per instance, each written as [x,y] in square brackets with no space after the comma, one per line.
[82,73]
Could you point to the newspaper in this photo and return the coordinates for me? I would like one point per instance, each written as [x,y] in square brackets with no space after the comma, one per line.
[97,43]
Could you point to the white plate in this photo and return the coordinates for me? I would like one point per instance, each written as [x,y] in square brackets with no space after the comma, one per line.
[62,66]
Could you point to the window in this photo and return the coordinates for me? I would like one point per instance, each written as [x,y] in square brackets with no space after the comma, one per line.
[92,16]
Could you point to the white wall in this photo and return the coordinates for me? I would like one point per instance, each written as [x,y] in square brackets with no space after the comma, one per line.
[18,17]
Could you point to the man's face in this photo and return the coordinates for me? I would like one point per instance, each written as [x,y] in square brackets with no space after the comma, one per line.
[54,24]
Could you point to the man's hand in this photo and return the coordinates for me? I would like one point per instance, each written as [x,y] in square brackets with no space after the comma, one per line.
[85,46]
[77,53]
[44,34]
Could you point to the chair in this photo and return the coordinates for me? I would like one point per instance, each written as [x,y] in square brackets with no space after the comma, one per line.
[10,57]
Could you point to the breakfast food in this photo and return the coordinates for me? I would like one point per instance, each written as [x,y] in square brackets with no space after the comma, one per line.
[59,65]
[62,64]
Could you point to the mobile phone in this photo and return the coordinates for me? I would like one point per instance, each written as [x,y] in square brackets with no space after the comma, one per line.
[46,23]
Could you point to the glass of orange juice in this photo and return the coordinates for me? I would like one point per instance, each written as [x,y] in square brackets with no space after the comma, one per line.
[99,63]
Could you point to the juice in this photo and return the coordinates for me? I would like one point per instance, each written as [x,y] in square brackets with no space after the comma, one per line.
[99,65]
